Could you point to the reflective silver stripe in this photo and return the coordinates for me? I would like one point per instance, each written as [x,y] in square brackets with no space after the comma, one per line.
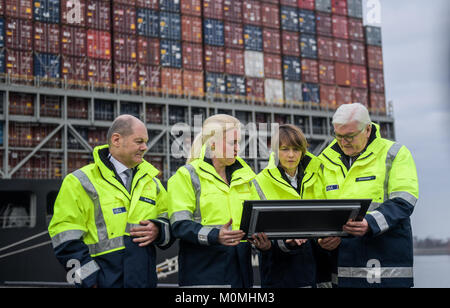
[65,236]
[197,189]
[405,196]
[391,154]
[164,215]
[157,186]
[282,246]
[373,206]
[180,216]
[86,270]
[165,225]
[259,190]
[131,226]
[106,245]
[383,272]
[324,285]
[203,235]
[381,221]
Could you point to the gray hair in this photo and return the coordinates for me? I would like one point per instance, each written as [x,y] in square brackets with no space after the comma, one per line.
[122,125]
[348,113]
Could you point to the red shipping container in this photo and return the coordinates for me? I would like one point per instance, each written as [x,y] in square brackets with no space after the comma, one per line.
[251,11]
[355,29]
[339,7]
[214,59]
[125,75]
[234,35]
[190,7]
[234,61]
[19,34]
[77,108]
[124,18]
[255,89]
[340,26]
[99,72]
[343,74]
[74,69]
[98,44]
[343,96]
[306,4]
[289,2]
[19,64]
[191,29]
[341,50]
[375,57]
[324,24]
[360,96]
[73,41]
[125,47]
[376,80]
[310,71]
[377,102]
[46,37]
[171,81]
[290,43]
[193,83]
[328,96]
[131,2]
[21,103]
[150,4]
[73,12]
[192,56]
[232,10]
[2,12]
[357,53]
[98,15]
[272,66]
[325,48]
[359,76]
[270,15]
[19,8]
[148,51]
[149,77]
[154,113]
[50,106]
[271,41]
[326,72]
[213,9]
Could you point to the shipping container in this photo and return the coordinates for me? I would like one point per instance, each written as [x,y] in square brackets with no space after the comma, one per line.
[148,50]
[103,111]
[171,53]
[270,15]
[125,47]
[125,75]
[377,102]
[215,83]
[326,72]
[190,7]
[376,80]
[373,35]
[340,26]
[193,83]
[234,61]
[171,81]
[324,24]
[307,21]
[289,18]
[124,18]
[271,41]
[272,66]
[273,91]
[73,12]
[234,35]
[98,15]
[47,65]
[310,71]
[19,34]
[77,108]
[339,7]
[169,5]
[1,141]
[311,92]
[147,22]
[21,104]
[357,53]
[254,63]
[375,57]
[213,32]
[293,91]
[292,3]
[50,106]
[343,74]
[308,46]
[98,44]
[130,108]
[213,9]
[328,96]
[253,38]
[343,95]
[325,48]
[214,59]
[255,89]
[73,41]
[74,69]
[323,6]
[149,77]
[2,66]
[290,43]
[192,56]
[2,32]
[355,29]
[154,113]
[191,29]
[291,68]
[170,25]
[355,8]
[341,50]
[251,12]
[232,10]
[46,11]
[235,86]
[46,37]
[307,4]
[19,9]
[19,64]
[129,2]
[99,72]
[360,96]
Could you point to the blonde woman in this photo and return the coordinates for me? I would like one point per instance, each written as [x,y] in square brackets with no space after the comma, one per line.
[205,209]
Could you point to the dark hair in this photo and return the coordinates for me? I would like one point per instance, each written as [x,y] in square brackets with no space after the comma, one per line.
[122,125]
[291,135]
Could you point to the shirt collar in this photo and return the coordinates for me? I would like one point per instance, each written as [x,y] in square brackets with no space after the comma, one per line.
[117,165]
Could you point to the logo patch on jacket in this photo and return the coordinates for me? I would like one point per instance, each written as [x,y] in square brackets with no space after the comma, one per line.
[332,187]
[119,210]
[147,200]
[366,178]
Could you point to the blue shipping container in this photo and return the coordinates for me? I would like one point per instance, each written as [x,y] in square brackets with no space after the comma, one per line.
[311,92]
[289,18]
[170,53]
[169,5]
[170,25]
[253,38]
[292,68]
[2,32]
[2,62]
[355,8]
[307,21]
[373,35]
[1,135]
[215,83]
[308,46]
[323,5]
[235,85]
[213,32]
[47,65]
[46,11]
[147,22]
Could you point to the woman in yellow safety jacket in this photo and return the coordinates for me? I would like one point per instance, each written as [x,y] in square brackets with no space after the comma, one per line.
[206,197]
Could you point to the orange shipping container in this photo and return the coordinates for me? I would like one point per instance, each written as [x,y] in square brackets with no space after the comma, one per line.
[343,74]
[171,81]
[191,29]
[191,7]
[328,96]
[193,83]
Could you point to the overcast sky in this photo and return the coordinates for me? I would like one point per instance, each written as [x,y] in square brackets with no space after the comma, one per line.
[416,50]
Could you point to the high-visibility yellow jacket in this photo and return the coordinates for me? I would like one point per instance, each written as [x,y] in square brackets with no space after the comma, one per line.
[200,204]
[93,214]
[386,173]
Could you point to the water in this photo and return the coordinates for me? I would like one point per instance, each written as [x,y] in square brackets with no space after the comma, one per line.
[432,271]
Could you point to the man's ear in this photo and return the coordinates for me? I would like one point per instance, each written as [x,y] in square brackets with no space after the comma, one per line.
[116,140]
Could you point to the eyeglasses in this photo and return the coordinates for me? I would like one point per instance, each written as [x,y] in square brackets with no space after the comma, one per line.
[348,138]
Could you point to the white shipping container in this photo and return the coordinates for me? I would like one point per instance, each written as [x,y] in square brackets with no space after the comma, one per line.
[293,91]
[254,64]
[273,89]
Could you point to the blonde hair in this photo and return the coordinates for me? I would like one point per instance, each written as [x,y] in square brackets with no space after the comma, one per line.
[215,125]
